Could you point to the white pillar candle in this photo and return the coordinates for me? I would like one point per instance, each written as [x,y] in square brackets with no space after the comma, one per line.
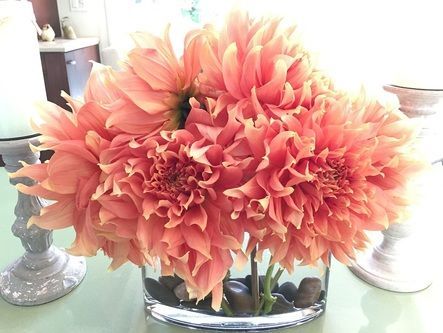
[21,77]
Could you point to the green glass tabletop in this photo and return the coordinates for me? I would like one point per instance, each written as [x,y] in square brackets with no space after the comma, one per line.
[112,301]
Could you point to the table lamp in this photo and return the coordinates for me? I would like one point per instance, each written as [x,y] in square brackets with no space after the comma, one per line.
[44,272]
[402,261]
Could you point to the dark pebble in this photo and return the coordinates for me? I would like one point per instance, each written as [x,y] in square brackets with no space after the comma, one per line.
[288,290]
[322,295]
[160,292]
[261,281]
[281,305]
[170,282]
[308,292]
[181,292]
[202,305]
[241,280]
[238,297]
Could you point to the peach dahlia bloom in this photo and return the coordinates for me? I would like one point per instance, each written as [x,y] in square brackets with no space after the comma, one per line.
[184,216]
[326,175]
[261,64]
[152,90]
[72,176]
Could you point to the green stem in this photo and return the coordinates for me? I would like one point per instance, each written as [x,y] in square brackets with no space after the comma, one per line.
[273,284]
[277,277]
[260,306]
[226,308]
[267,296]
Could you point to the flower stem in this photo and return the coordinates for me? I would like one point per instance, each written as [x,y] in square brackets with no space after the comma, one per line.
[254,280]
[277,277]
[269,300]
[273,284]
[226,308]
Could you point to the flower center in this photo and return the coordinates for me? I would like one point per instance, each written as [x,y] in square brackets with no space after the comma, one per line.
[169,181]
[183,110]
[174,180]
[333,178]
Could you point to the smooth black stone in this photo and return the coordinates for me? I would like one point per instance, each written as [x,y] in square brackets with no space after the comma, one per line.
[170,282]
[238,297]
[261,283]
[241,280]
[288,290]
[322,295]
[202,305]
[160,292]
[281,305]
[308,292]
[181,293]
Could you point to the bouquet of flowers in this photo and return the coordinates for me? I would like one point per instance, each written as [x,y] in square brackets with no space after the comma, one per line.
[240,145]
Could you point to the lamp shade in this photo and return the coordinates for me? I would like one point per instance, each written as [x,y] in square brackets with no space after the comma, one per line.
[21,76]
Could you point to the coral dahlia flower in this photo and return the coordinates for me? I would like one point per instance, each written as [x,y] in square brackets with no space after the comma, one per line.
[326,175]
[152,90]
[261,63]
[72,176]
[185,220]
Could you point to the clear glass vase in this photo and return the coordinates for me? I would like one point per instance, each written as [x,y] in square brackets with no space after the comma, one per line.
[299,298]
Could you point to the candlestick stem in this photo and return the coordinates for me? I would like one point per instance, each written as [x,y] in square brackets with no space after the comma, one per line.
[44,272]
[401,261]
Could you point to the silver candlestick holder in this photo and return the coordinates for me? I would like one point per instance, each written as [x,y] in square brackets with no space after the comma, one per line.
[44,272]
[401,261]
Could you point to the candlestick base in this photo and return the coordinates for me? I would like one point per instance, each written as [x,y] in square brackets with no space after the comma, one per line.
[402,260]
[38,278]
[394,264]
[44,273]
[379,276]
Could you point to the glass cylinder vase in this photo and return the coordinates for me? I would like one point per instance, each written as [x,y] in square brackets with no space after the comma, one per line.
[297,298]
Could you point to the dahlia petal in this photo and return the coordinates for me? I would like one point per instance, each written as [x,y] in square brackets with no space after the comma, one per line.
[86,242]
[57,123]
[191,59]
[74,104]
[232,71]
[141,94]
[173,238]
[339,254]
[101,86]
[131,119]
[121,209]
[119,255]
[250,189]
[38,172]
[73,148]
[197,240]
[217,296]
[228,131]
[59,215]
[196,216]
[147,64]
[270,91]
[251,63]
[199,116]
[146,40]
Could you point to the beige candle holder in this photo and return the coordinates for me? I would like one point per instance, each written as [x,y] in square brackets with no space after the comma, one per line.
[401,261]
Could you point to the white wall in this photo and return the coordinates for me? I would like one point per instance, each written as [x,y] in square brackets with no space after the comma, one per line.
[89,23]
[367,41]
